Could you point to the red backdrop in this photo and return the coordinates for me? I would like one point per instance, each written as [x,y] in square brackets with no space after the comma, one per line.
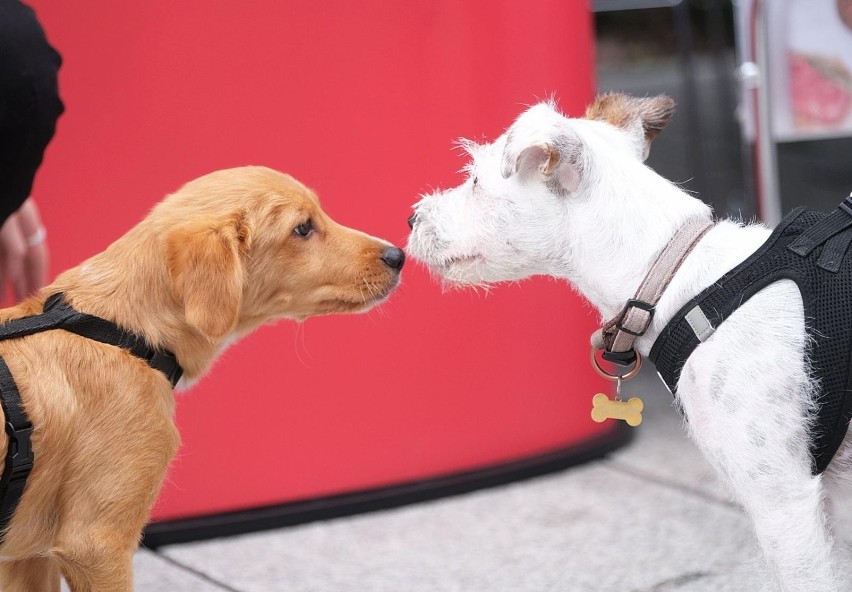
[361,101]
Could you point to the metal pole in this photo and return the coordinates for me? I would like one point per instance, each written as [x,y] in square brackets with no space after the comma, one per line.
[770,201]
[695,153]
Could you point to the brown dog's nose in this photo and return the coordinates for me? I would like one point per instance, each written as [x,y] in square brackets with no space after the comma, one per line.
[393,257]
[411,220]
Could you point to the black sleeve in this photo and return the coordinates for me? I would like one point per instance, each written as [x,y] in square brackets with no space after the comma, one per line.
[29,101]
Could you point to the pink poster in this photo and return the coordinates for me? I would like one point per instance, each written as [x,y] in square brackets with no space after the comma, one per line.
[810,66]
[819,67]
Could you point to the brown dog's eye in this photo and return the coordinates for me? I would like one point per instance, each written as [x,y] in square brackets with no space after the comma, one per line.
[304,229]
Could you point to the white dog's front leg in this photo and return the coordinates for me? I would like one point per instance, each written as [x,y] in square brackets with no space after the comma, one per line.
[746,396]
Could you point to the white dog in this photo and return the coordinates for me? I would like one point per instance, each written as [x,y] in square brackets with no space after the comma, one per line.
[571,198]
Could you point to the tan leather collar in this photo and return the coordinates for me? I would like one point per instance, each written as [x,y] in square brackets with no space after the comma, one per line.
[617,336]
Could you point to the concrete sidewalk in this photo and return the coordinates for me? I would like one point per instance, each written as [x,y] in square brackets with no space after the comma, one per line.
[650,518]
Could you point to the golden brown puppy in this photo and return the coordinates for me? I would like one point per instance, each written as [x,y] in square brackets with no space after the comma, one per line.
[225,254]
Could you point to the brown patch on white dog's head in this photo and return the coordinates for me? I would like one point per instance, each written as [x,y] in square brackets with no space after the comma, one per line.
[644,118]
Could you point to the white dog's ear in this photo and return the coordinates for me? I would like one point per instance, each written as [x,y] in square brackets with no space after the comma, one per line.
[557,160]
[642,118]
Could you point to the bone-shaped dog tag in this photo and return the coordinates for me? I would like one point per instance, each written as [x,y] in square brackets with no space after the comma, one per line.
[604,408]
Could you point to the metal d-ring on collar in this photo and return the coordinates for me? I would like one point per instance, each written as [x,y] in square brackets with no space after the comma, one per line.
[617,377]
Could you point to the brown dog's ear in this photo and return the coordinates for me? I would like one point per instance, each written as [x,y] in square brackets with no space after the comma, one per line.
[643,118]
[207,274]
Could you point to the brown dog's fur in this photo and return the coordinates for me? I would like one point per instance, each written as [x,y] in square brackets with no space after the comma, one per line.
[210,263]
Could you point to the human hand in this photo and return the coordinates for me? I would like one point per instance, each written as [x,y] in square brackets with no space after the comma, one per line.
[23,252]
[844,9]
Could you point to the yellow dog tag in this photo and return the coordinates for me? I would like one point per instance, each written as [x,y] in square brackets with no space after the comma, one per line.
[604,408]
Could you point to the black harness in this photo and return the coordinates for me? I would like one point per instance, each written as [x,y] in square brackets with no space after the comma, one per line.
[57,315]
[809,248]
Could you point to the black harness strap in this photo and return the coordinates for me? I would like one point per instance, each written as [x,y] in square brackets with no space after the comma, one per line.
[811,249]
[839,220]
[19,454]
[57,315]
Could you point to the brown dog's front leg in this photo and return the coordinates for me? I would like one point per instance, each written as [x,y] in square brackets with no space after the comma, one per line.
[30,575]
[96,569]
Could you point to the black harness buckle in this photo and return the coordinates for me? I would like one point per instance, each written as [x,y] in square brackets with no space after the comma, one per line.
[165,362]
[21,451]
[633,303]
[626,358]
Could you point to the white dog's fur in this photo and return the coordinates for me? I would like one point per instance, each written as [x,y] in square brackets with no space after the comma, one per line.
[571,198]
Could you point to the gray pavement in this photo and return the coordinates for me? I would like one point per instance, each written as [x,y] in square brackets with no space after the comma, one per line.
[649,518]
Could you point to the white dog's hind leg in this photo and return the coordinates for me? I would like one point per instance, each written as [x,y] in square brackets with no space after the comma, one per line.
[838,482]
[839,472]
[745,394]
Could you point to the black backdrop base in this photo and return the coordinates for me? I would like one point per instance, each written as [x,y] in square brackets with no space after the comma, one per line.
[370,500]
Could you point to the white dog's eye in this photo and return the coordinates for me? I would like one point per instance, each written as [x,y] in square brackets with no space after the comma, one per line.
[475,181]
[304,229]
